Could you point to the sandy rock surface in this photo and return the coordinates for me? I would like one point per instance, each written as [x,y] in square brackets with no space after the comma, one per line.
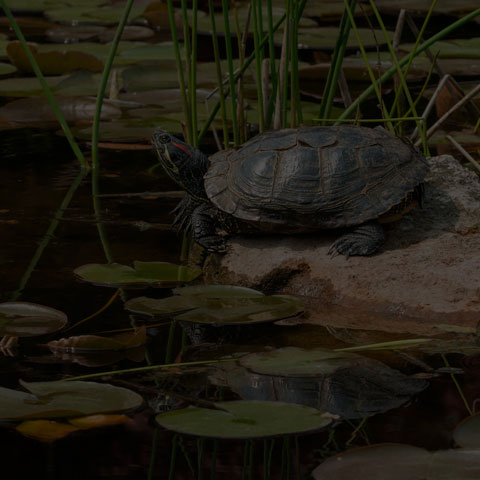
[427,273]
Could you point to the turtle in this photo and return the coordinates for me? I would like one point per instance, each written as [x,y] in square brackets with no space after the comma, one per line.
[297,180]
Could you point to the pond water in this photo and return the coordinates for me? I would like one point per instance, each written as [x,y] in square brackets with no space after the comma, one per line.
[416,397]
[37,169]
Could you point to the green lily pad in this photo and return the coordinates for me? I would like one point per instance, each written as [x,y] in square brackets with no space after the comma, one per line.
[37,110]
[467,433]
[219,305]
[24,319]
[326,37]
[143,275]
[241,311]
[218,291]
[400,462]
[26,87]
[293,361]
[7,69]
[107,14]
[422,6]
[65,399]
[459,48]
[244,420]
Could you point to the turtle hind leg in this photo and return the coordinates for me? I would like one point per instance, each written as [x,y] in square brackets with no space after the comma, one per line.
[203,222]
[363,240]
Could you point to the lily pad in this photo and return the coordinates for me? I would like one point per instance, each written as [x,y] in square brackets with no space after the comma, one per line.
[422,6]
[400,462]
[218,291]
[242,311]
[326,38]
[245,420]
[143,275]
[459,48]
[107,14]
[467,433]
[26,87]
[97,343]
[37,110]
[7,69]
[65,399]
[293,361]
[54,62]
[24,319]
[219,305]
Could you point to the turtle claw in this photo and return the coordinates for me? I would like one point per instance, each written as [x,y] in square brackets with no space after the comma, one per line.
[364,240]
[213,244]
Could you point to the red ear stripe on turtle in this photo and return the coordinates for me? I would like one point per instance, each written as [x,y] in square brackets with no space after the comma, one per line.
[182,147]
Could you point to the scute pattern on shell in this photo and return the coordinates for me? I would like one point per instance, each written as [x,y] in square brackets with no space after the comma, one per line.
[315,177]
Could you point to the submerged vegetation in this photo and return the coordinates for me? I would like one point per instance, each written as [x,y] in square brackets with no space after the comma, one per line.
[218,72]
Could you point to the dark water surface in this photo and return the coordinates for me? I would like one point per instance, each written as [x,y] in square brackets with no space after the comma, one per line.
[36,170]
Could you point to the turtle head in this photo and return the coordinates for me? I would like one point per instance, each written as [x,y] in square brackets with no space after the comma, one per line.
[185,164]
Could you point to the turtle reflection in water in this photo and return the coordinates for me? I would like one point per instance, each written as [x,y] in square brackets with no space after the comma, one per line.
[297,180]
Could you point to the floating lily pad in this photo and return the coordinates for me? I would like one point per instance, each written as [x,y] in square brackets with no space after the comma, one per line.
[218,291]
[241,311]
[31,111]
[422,6]
[244,420]
[143,275]
[26,87]
[107,14]
[459,48]
[65,399]
[400,462]
[54,62]
[326,37]
[219,305]
[467,433]
[7,69]
[24,319]
[96,343]
[293,361]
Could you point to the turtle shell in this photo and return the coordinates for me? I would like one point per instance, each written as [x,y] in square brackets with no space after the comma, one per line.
[315,177]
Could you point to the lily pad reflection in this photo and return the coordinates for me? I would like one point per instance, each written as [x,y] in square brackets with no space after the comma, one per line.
[245,420]
[347,385]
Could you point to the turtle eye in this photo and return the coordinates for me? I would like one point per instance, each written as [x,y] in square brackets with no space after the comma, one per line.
[164,138]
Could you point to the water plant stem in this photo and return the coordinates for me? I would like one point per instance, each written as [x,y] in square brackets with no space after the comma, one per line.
[173,458]
[256,12]
[218,70]
[403,61]
[415,47]
[241,71]
[181,79]
[231,73]
[98,312]
[456,107]
[57,217]
[193,74]
[371,74]
[147,368]
[336,63]
[46,89]
[457,385]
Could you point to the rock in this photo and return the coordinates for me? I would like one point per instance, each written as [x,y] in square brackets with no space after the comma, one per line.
[427,273]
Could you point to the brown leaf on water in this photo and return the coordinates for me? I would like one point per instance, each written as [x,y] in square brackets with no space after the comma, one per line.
[54,62]
[96,421]
[95,343]
[46,430]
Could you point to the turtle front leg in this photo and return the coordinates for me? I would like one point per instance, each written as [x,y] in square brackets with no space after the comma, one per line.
[204,225]
[363,240]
